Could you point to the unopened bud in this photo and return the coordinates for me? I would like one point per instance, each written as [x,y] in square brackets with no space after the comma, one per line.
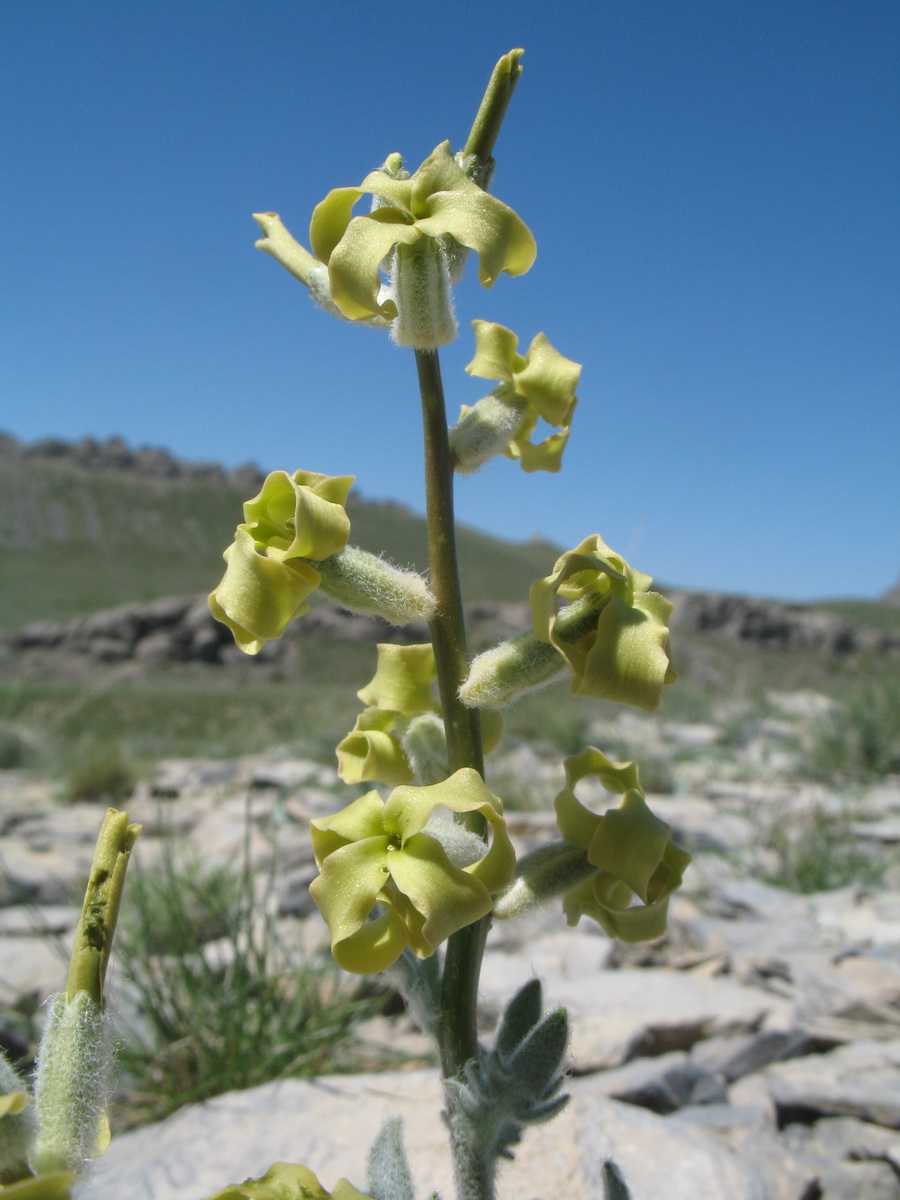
[425,745]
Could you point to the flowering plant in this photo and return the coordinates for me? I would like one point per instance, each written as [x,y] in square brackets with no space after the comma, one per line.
[411,880]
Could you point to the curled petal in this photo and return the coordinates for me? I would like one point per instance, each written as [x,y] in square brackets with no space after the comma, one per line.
[629,843]
[362,819]
[495,352]
[578,824]
[288,1181]
[300,515]
[48,1185]
[540,456]
[548,381]
[353,267]
[408,809]
[391,190]
[627,659]
[447,897]
[375,946]
[330,219]
[371,752]
[259,596]
[349,884]
[616,777]
[609,902]
[500,238]
[402,679]
[440,172]
[284,248]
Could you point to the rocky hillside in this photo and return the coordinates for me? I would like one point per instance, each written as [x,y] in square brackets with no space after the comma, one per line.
[86,526]
[752,1053]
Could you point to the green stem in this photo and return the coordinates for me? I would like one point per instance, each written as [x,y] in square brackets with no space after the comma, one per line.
[457,1036]
[94,934]
[448,630]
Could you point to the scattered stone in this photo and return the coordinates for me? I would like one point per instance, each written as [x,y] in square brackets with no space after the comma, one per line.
[758,1009]
[858,1080]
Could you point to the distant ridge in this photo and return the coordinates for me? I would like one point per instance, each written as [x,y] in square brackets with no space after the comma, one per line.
[88,525]
[114,454]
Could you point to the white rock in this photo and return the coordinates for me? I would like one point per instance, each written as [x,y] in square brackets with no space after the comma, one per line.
[329,1124]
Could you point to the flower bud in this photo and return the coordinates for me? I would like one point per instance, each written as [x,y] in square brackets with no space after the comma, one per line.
[506,672]
[524,663]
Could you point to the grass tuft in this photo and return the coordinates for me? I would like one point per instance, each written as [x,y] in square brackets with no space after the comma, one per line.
[861,741]
[218,995]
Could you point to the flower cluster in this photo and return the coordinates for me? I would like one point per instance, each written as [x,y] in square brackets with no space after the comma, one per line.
[420,227]
[293,541]
[539,386]
[630,849]
[399,736]
[268,580]
[612,635]
[395,874]
[415,222]
[623,656]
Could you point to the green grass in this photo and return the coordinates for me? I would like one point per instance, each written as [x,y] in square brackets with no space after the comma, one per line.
[215,994]
[861,741]
[821,853]
[99,770]
[865,612]
[184,713]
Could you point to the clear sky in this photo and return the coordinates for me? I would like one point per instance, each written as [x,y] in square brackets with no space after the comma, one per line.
[713,187]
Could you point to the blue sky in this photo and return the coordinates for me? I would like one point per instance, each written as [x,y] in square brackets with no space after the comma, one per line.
[713,188]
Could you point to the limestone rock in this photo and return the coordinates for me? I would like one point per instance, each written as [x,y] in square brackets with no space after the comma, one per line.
[329,1124]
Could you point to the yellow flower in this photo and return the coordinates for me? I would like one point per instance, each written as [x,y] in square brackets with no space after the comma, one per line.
[426,878]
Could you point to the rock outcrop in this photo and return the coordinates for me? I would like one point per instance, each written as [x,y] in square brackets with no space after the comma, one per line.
[181,629]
